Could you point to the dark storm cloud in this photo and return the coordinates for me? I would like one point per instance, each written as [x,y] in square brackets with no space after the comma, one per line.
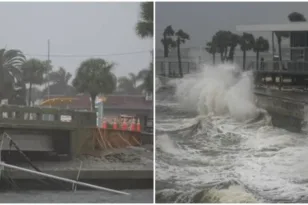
[202,19]
[78,29]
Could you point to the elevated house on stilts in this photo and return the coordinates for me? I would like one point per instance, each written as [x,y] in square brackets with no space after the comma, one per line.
[289,65]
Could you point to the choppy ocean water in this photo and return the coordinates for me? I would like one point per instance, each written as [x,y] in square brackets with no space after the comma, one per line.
[214,144]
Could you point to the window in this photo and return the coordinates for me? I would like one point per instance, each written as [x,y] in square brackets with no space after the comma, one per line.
[298,39]
[297,54]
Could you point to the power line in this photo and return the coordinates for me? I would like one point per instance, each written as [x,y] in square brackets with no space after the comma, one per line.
[85,56]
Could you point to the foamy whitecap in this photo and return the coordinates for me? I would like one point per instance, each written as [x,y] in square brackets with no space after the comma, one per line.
[221,89]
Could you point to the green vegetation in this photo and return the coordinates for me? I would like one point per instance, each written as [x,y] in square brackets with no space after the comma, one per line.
[167,40]
[33,74]
[172,39]
[223,43]
[21,79]
[260,45]
[12,86]
[94,76]
[144,29]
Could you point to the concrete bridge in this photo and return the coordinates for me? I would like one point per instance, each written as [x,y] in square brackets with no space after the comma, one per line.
[38,130]
[42,132]
[53,138]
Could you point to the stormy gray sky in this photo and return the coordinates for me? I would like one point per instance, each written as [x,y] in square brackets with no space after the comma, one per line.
[82,29]
[203,19]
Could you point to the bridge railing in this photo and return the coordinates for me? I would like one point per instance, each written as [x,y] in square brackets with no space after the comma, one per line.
[286,67]
[12,114]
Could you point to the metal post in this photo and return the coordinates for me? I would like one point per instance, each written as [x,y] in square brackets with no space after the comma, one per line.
[48,64]
[273,46]
[48,59]
[1,145]
[62,179]
[74,185]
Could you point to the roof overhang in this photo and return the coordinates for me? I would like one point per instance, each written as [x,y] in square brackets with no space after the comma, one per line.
[57,101]
[273,27]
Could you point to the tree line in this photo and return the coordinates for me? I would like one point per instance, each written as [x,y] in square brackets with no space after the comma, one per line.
[172,39]
[20,77]
[223,43]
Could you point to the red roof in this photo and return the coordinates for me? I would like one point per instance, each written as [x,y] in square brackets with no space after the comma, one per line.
[80,102]
[137,102]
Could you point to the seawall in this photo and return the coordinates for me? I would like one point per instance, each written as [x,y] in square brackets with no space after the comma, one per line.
[113,179]
[287,108]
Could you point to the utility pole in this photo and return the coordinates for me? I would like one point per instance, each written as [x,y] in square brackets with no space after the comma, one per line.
[48,61]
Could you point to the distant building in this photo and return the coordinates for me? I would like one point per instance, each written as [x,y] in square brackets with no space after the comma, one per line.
[135,105]
[78,102]
[112,106]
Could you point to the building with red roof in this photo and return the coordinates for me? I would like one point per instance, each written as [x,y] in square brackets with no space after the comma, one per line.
[139,106]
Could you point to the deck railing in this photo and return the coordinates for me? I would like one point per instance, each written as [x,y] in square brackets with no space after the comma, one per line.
[286,67]
[41,116]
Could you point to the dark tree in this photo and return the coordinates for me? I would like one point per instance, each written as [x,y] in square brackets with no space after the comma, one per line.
[11,75]
[33,73]
[181,38]
[246,43]
[167,40]
[144,27]
[261,45]
[211,49]
[94,76]
[296,17]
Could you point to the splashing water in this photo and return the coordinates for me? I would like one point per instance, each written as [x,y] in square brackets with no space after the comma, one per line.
[215,145]
[220,89]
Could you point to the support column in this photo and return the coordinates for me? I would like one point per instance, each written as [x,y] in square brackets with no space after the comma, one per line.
[273,45]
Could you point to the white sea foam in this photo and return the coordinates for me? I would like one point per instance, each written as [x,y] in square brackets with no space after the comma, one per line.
[231,144]
[220,89]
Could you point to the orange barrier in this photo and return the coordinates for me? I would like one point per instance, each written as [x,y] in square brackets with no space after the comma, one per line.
[133,125]
[124,125]
[104,125]
[138,126]
[115,125]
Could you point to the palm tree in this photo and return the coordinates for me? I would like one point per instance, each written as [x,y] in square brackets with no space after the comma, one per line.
[233,42]
[211,49]
[94,76]
[60,83]
[144,27]
[181,38]
[246,43]
[222,41]
[128,84]
[261,45]
[280,35]
[60,76]
[33,71]
[296,17]
[167,41]
[36,94]
[10,73]
[146,76]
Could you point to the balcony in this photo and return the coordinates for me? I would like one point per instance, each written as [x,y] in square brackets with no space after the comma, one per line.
[284,67]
